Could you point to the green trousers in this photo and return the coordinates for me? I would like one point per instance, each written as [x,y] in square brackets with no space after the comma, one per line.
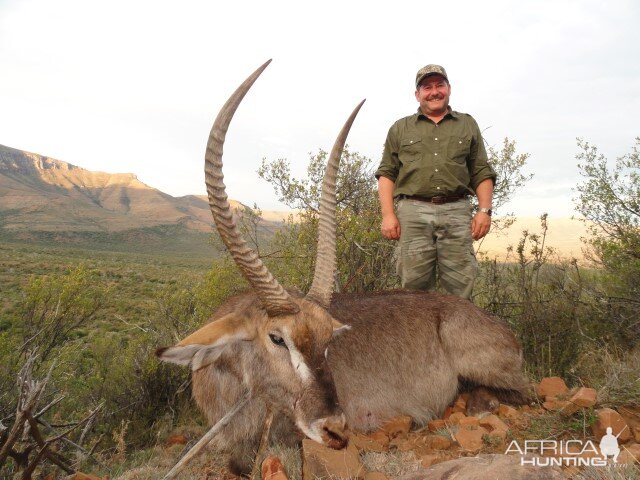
[436,237]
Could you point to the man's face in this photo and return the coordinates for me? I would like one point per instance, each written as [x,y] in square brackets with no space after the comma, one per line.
[433,95]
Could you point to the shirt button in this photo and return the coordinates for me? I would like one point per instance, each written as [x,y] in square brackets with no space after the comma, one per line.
[460,141]
[436,138]
[436,169]
[411,141]
[438,188]
[436,154]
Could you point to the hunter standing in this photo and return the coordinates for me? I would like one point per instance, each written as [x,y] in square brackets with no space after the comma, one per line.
[432,162]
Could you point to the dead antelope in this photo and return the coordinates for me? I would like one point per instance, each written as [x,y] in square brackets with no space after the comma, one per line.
[322,361]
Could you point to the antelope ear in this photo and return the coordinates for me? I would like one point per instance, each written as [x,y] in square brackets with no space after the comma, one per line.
[205,345]
[338,328]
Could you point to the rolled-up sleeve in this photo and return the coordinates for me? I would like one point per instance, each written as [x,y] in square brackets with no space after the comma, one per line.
[478,163]
[390,165]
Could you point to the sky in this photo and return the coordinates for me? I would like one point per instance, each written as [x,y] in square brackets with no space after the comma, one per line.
[134,86]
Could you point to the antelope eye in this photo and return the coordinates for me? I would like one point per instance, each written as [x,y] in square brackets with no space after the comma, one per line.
[277,340]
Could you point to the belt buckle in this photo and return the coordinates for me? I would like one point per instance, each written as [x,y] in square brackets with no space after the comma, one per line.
[438,200]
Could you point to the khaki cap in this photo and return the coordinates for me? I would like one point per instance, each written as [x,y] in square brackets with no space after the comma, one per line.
[430,69]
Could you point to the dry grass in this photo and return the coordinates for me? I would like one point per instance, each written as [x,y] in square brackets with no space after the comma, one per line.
[391,464]
[613,374]
[613,472]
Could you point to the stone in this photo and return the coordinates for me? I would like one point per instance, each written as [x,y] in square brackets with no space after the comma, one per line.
[272,469]
[403,444]
[508,412]
[381,437]
[496,427]
[366,443]
[321,461]
[564,407]
[431,459]
[631,415]
[460,405]
[468,422]
[610,418]
[629,453]
[470,440]
[438,442]
[447,413]
[375,476]
[552,387]
[397,426]
[176,440]
[454,419]
[584,397]
[485,467]
[435,425]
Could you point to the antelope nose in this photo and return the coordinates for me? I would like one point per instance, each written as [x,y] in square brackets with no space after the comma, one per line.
[334,432]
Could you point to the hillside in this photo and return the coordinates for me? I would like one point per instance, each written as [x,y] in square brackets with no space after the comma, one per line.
[47,200]
[563,235]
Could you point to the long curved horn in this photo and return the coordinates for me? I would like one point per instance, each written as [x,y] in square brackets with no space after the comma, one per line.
[274,298]
[322,286]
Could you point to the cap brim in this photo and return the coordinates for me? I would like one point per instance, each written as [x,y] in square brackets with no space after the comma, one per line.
[428,75]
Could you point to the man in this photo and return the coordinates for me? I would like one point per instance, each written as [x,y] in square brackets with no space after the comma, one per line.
[432,161]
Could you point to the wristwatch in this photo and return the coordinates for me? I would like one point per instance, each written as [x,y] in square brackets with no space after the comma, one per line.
[488,211]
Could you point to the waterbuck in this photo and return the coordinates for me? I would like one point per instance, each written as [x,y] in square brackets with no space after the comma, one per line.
[321,362]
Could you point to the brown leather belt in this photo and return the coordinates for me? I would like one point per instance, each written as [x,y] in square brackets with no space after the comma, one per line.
[439,200]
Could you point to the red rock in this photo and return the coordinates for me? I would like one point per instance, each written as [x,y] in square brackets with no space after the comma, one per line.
[404,444]
[435,425]
[460,405]
[321,461]
[397,426]
[468,422]
[610,418]
[272,469]
[375,476]
[508,412]
[470,440]
[438,442]
[551,386]
[584,397]
[381,437]
[565,407]
[176,440]
[431,459]
[455,418]
[368,444]
[495,426]
[629,454]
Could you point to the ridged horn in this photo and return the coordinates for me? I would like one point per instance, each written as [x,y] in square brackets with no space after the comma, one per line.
[322,286]
[274,298]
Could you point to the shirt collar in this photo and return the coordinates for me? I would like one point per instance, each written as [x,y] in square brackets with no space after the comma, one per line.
[450,113]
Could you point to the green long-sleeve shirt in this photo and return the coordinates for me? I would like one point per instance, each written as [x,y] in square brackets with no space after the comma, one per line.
[428,159]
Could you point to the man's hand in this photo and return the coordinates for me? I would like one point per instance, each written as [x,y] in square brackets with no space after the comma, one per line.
[480,225]
[390,227]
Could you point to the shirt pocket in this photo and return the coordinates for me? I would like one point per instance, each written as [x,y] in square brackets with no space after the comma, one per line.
[459,148]
[410,150]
